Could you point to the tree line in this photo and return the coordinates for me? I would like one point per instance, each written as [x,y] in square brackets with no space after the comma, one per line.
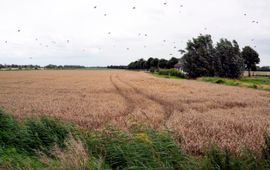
[16,66]
[224,59]
[202,58]
[60,67]
[153,63]
[263,68]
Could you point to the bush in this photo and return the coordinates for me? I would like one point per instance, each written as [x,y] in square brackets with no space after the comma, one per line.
[219,81]
[172,72]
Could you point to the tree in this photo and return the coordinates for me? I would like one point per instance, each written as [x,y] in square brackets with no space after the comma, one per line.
[141,64]
[228,60]
[154,63]
[163,63]
[172,62]
[147,64]
[199,59]
[251,58]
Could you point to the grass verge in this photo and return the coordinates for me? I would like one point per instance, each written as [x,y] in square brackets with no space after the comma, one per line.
[45,143]
[257,82]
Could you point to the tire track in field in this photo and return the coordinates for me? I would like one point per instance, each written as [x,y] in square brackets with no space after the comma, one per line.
[167,106]
[130,107]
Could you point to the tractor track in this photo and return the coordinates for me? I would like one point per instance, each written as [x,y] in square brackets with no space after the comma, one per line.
[129,101]
[167,106]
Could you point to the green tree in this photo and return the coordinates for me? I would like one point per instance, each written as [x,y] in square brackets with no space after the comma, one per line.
[251,58]
[147,64]
[172,62]
[141,64]
[163,63]
[154,63]
[228,60]
[199,59]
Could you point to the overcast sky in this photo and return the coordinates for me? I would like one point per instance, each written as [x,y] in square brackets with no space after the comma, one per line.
[75,32]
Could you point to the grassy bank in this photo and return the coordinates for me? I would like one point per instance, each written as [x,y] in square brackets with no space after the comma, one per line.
[45,143]
[257,82]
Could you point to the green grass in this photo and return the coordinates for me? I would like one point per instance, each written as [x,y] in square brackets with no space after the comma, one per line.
[257,82]
[45,143]
[170,74]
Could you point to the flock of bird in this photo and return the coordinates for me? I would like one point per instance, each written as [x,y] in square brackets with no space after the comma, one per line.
[139,34]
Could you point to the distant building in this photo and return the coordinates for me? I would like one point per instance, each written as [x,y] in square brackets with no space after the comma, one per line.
[179,66]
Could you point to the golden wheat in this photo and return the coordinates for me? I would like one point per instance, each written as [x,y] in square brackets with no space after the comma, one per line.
[199,112]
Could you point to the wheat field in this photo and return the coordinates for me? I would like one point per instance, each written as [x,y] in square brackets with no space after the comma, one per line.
[198,113]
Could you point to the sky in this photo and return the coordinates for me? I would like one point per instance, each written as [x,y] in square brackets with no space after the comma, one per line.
[116,32]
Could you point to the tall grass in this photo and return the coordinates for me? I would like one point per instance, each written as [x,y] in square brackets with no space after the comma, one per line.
[45,143]
[139,149]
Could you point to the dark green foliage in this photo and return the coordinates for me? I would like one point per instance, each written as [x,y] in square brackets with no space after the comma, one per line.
[251,58]
[33,135]
[29,67]
[172,72]
[8,130]
[266,148]
[163,63]
[199,58]
[43,134]
[228,60]
[147,64]
[153,63]
[202,59]
[219,81]
[140,149]
[219,160]
[70,67]
[263,68]
[171,63]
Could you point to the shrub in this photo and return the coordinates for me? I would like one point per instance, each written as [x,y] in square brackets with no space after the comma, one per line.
[219,81]
[172,72]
